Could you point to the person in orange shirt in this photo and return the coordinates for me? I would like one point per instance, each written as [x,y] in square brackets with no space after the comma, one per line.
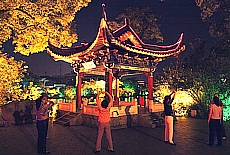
[104,121]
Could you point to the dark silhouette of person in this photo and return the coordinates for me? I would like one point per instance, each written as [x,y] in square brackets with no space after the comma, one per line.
[18,117]
[129,117]
[28,114]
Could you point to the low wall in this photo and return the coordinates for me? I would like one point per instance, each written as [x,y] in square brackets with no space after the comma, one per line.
[125,108]
[115,123]
[122,116]
[156,107]
[71,107]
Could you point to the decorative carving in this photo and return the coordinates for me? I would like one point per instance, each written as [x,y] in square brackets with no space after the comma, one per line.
[136,62]
[116,72]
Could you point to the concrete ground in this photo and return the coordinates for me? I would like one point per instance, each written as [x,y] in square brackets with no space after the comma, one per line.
[191,137]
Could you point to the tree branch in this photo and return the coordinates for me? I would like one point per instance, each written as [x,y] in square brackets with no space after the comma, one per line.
[18,9]
[27,27]
[25,12]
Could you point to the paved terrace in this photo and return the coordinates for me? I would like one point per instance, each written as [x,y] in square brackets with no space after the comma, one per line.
[191,137]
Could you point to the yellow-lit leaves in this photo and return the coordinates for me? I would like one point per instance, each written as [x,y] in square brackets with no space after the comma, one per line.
[11,74]
[34,22]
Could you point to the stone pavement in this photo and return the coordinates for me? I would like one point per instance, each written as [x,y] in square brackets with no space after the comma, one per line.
[191,137]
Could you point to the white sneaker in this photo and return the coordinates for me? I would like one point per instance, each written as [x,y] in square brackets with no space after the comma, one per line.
[224,138]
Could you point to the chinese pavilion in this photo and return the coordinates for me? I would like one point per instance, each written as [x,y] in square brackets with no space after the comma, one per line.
[115,54]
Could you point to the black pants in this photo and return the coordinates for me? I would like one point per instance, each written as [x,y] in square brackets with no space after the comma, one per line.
[42,127]
[215,127]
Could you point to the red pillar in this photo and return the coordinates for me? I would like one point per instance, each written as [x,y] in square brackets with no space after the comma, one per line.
[108,82]
[78,85]
[116,103]
[150,91]
[150,86]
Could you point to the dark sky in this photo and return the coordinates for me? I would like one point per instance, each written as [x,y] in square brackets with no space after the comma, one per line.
[177,16]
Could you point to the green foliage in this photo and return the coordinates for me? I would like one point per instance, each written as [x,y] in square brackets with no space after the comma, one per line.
[131,85]
[201,74]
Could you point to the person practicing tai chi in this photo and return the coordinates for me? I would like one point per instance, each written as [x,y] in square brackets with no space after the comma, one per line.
[214,121]
[104,121]
[169,118]
[42,117]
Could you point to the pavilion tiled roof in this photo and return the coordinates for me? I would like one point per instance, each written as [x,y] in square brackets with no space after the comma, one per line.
[117,40]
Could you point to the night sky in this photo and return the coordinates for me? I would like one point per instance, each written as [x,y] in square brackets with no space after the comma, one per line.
[177,16]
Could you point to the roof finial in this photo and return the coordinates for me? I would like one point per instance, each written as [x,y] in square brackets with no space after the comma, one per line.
[103,11]
[126,21]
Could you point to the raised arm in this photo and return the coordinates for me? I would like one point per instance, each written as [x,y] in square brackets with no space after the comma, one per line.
[98,100]
[172,95]
[110,99]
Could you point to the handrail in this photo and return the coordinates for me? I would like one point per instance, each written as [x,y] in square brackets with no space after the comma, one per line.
[62,116]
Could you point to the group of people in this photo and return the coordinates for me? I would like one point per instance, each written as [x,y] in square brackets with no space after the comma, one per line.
[104,105]
[215,120]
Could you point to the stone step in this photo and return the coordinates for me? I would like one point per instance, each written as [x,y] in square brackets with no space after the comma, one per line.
[145,114]
[153,119]
[63,123]
[68,119]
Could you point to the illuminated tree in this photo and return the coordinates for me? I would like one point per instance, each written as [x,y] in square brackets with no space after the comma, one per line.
[181,78]
[12,72]
[30,23]
[216,14]
[143,21]
[70,92]
[90,88]
[32,92]
[201,74]
[130,86]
